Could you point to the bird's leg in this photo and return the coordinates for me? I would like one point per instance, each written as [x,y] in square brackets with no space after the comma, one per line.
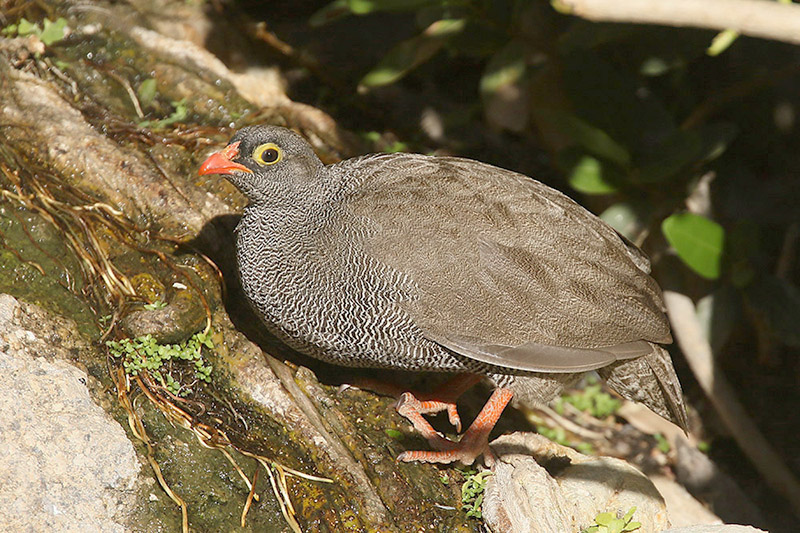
[443,398]
[473,443]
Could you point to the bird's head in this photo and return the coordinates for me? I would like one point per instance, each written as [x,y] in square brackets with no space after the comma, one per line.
[264,162]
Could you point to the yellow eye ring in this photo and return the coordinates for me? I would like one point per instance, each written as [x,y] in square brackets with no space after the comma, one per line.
[267,154]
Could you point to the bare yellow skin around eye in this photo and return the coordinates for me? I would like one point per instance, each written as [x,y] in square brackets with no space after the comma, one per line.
[267,154]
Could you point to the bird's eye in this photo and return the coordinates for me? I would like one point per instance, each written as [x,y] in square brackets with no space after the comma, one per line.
[267,154]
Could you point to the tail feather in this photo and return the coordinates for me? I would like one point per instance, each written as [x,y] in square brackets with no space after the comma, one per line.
[651,380]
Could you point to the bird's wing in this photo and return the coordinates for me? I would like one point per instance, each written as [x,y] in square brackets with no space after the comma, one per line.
[507,271]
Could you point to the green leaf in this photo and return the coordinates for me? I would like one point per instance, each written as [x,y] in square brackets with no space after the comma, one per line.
[147,91]
[25,27]
[654,66]
[662,444]
[53,31]
[722,42]
[587,177]
[673,154]
[480,38]
[363,7]
[411,53]
[616,525]
[716,138]
[593,139]
[505,68]
[698,241]
[342,8]
[562,7]
[179,114]
[682,149]
[604,519]
[329,13]
[611,99]
[629,515]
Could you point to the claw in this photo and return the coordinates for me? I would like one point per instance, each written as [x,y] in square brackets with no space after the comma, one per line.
[473,443]
[452,416]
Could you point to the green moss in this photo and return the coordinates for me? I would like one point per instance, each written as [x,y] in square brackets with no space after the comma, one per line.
[213,491]
[36,266]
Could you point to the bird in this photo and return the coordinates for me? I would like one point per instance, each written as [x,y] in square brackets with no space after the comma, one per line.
[444,264]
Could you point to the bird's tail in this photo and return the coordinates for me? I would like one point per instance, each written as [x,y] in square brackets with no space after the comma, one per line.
[651,380]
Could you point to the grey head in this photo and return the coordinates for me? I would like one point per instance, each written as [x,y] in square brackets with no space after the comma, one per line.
[269,164]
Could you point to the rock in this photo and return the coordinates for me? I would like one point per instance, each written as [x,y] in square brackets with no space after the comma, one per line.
[542,486]
[65,464]
[721,528]
[682,508]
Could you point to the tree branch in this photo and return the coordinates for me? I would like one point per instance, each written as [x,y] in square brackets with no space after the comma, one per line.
[756,18]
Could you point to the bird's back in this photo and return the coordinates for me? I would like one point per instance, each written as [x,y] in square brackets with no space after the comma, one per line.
[500,258]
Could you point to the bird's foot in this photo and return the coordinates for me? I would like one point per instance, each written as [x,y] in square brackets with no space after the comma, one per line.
[473,443]
[443,398]
[410,406]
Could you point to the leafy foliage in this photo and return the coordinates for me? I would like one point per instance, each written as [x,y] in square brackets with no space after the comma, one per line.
[680,140]
[592,399]
[559,435]
[158,304]
[697,240]
[609,523]
[663,444]
[179,114]
[146,354]
[472,492]
[49,31]
[147,91]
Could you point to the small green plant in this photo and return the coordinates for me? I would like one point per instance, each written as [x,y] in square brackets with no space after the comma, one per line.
[393,433]
[158,304]
[181,111]
[144,353]
[662,442]
[374,137]
[104,320]
[592,399]
[609,523]
[147,91]
[397,146]
[50,32]
[559,436]
[472,492]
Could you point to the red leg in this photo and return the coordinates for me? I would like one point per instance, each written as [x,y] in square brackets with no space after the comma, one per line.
[472,444]
[443,398]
